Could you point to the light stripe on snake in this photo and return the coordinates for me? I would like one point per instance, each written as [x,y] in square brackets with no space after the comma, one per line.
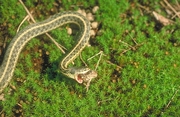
[24,36]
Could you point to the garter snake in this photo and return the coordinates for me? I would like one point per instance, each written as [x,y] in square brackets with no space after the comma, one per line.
[80,74]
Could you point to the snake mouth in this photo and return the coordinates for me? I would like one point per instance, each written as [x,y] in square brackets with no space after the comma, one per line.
[79,78]
[85,77]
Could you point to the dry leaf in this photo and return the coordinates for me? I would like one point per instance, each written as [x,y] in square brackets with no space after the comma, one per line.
[162,19]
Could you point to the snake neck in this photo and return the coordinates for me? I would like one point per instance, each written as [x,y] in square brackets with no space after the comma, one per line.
[24,36]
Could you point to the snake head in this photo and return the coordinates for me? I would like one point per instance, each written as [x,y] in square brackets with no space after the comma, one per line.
[81,75]
[85,77]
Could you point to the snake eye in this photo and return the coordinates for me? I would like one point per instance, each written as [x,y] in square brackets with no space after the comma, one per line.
[79,78]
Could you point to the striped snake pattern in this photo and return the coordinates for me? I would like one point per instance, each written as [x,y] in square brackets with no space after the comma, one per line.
[80,74]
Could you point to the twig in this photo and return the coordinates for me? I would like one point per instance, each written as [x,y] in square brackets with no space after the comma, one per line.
[104,101]
[177,4]
[114,64]
[133,40]
[163,5]
[172,8]
[22,22]
[57,44]
[107,100]
[132,47]
[101,53]
[94,56]
[1,112]
[143,7]
[12,87]
[125,51]
[19,105]
[127,45]
[80,55]
[87,85]
[175,15]
[171,99]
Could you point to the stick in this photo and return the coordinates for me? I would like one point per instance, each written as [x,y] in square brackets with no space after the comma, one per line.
[57,44]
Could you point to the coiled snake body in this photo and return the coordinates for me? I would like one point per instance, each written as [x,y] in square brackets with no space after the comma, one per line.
[24,36]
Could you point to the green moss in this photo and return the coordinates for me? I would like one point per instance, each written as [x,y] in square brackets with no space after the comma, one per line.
[148,80]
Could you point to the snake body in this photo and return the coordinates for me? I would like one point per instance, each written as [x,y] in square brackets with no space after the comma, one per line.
[25,35]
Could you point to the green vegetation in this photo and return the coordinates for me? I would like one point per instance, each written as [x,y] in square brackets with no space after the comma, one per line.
[139,82]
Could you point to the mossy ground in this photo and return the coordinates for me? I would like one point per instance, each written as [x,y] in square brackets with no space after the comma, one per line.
[138,76]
